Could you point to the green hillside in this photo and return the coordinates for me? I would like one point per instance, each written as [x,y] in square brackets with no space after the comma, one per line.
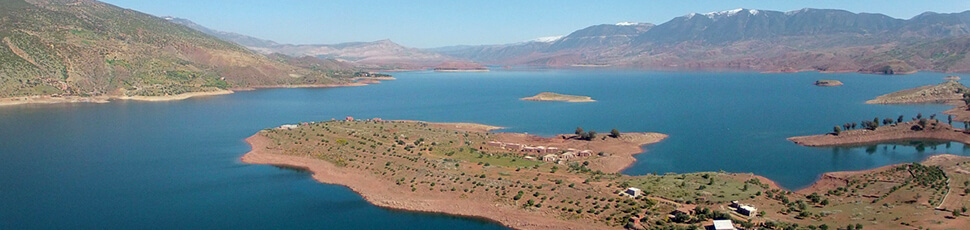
[89,48]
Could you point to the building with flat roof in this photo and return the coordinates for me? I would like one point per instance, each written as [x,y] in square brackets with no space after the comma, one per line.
[723,225]
[633,192]
[550,158]
[747,210]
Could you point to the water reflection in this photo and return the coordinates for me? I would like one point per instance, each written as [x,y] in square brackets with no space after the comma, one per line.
[294,168]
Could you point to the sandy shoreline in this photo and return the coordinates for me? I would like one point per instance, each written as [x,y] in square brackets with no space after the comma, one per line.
[176,97]
[9,101]
[23,100]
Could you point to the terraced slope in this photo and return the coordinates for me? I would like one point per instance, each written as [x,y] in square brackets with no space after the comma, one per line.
[89,48]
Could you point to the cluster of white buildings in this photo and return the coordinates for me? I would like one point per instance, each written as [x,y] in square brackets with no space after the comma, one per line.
[523,148]
[552,154]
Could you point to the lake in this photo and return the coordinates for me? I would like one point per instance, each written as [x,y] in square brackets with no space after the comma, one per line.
[175,164]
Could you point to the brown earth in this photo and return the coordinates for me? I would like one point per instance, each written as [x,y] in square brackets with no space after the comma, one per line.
[383,194]
[918,214]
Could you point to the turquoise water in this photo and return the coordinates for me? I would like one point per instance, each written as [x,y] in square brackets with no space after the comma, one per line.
[175,164]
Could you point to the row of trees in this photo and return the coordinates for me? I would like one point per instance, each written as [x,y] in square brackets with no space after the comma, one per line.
[592,134]
[872,125]
[585,135]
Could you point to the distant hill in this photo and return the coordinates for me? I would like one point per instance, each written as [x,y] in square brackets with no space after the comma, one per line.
[601,36]
[823,40]
[383,54]
[244,40]
[563,51]
[314,63]
[89,48]
[746,39]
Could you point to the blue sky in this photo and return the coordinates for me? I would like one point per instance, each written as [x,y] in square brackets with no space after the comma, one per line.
[430,23]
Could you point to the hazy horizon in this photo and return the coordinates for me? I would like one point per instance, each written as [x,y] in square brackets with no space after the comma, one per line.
[429,24]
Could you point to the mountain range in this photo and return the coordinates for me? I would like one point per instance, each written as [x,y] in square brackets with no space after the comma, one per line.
[760,40]
[88,48]
[823,40]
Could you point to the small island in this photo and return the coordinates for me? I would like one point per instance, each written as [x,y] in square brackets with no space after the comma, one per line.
[828,83]
[550,96]
[949,91]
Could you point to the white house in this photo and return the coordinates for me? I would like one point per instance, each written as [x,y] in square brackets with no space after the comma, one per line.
[633,192]
[568,155]
[549,157]
[747,210]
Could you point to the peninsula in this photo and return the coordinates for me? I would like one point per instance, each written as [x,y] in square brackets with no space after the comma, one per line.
[923,129]
[951,91]
[566,181]
[946,92]
[550,96]
[828,83]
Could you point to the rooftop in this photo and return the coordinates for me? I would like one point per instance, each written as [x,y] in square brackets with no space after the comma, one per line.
[723,225]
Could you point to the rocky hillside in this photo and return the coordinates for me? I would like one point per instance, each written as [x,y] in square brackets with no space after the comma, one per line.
[742,39]
[89,48]
[949,91]
[746,39]
[601,36]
